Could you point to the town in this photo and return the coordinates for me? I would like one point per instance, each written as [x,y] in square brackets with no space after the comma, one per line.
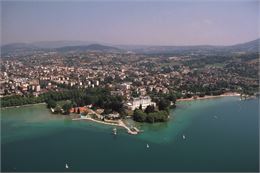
[110,85]
[129,86]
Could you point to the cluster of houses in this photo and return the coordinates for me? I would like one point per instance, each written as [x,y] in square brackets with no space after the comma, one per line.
[87,111]
[124,74]
[20,86]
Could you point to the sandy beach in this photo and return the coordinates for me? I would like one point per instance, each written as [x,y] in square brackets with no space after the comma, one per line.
[231,94]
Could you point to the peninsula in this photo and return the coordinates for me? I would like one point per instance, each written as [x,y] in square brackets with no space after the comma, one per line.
[108,84]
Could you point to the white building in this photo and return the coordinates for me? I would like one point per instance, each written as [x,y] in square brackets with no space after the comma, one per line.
[38,88]
[144,101]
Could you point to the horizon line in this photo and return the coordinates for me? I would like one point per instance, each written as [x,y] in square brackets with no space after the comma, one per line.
[132,44]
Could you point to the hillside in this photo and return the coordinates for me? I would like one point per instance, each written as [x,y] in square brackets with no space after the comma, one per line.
[252,46]
[92,47]
[249,47]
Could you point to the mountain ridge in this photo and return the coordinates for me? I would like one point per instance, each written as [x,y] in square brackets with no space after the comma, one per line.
[250,46]
[91,47]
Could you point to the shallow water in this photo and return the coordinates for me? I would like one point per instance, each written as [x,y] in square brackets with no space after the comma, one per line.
[221,135]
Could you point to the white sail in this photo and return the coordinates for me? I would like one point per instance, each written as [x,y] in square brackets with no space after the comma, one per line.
[183,137]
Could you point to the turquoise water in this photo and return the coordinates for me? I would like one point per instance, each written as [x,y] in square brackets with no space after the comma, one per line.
[221,135]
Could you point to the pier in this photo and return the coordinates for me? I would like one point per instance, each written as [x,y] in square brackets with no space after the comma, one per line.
[120,123]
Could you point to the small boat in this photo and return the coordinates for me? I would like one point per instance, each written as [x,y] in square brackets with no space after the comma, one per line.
[114,131]
[183,137]
[66,166]
[147,146]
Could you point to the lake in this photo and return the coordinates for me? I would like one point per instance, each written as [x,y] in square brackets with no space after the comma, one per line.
[220,135]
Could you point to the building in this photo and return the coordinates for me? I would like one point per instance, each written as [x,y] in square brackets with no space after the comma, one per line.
[126,86]
[37,88]
[114,115]
[83,109]
[144,101]
[117,93]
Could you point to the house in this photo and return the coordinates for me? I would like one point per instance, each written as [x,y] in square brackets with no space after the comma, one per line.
[114,115]
[83,109]
[126,85]
[99,111]
[144,101]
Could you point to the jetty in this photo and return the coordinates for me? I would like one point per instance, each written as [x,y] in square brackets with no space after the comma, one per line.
[119,123]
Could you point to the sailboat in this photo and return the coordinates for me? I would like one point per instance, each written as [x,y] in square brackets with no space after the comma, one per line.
[114,131]
[147,146]
[66,166]
[183,137]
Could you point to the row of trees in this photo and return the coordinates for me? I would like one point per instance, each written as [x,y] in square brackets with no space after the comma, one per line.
[98,97]
[17,100]
[20,100]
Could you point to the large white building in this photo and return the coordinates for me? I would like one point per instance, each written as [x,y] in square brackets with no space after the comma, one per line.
[144,101]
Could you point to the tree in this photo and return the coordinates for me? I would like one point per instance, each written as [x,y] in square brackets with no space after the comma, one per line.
[202,94]
[149,109]
[135,94]
[140,107]
[158,116]
[172,97]
[51,103]
[150,118]
[188,95]
[66,108]
[57,110]
[178,95]
[163,104]
[139,115]
[107,111]
[78,111]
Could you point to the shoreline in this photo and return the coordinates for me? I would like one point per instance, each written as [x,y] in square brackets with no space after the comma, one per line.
[209,97]
[177,100]
[22,105]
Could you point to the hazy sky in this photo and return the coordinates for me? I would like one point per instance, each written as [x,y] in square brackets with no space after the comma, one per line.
[137,22]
